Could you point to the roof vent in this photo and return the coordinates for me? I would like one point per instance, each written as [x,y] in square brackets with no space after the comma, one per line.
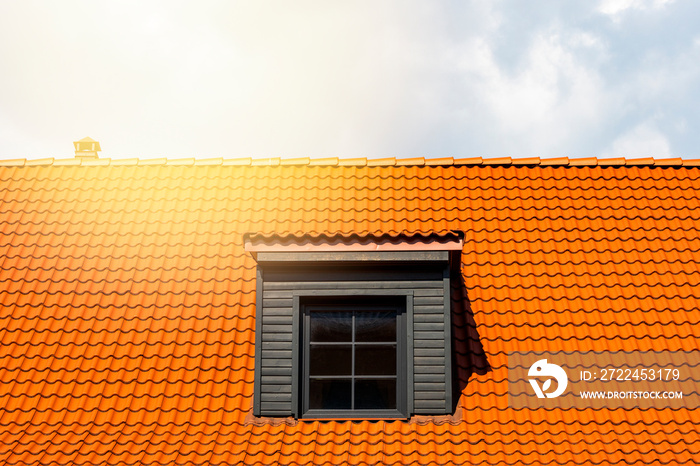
[86,148]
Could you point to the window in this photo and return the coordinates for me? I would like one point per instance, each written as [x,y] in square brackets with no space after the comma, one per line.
[354,358]
[353,327]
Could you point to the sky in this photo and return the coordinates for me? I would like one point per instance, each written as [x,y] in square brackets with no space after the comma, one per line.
[409,78]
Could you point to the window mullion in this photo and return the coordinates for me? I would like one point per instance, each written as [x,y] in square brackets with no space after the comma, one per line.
[352,369]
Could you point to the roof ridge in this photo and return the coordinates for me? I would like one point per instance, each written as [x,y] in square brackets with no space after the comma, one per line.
[360,162]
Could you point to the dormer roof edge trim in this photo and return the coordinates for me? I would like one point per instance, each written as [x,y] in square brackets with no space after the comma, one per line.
[385,243]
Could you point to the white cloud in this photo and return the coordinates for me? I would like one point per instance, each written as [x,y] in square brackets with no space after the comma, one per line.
[644,140]
[614,8]
[552,98]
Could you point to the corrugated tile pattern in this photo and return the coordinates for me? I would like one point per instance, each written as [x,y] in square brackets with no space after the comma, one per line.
[127,307]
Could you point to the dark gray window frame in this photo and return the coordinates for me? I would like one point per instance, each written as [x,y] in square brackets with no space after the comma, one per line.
[404,406]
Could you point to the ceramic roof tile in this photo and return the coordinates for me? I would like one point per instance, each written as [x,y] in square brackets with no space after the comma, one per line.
[127,306]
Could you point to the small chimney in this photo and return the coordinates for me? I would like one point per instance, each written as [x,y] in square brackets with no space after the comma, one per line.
[86,148]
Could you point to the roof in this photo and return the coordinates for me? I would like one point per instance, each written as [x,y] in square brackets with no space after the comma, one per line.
[127,306]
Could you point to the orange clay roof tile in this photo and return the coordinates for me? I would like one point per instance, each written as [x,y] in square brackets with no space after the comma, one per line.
[418,161]
[127,306]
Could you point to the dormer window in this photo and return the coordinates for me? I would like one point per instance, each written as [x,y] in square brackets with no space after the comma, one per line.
[353,328]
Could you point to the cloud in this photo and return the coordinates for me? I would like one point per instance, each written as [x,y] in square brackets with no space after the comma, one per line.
[552,97]
[644,140]
[614,8]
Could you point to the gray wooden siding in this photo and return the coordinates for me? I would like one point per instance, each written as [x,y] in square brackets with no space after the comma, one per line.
[429,377]
[276,356]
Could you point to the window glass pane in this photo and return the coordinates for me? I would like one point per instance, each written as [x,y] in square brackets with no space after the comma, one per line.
[330,360]
[329,394]
[375,360]
[375,326]
[331,326]
[375,394]
[353,354]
